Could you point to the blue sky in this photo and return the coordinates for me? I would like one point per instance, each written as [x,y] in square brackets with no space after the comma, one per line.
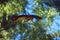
[56,20]
[55,25]
[29,6]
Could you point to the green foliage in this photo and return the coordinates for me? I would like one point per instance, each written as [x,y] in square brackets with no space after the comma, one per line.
[29,30]
[13,7]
